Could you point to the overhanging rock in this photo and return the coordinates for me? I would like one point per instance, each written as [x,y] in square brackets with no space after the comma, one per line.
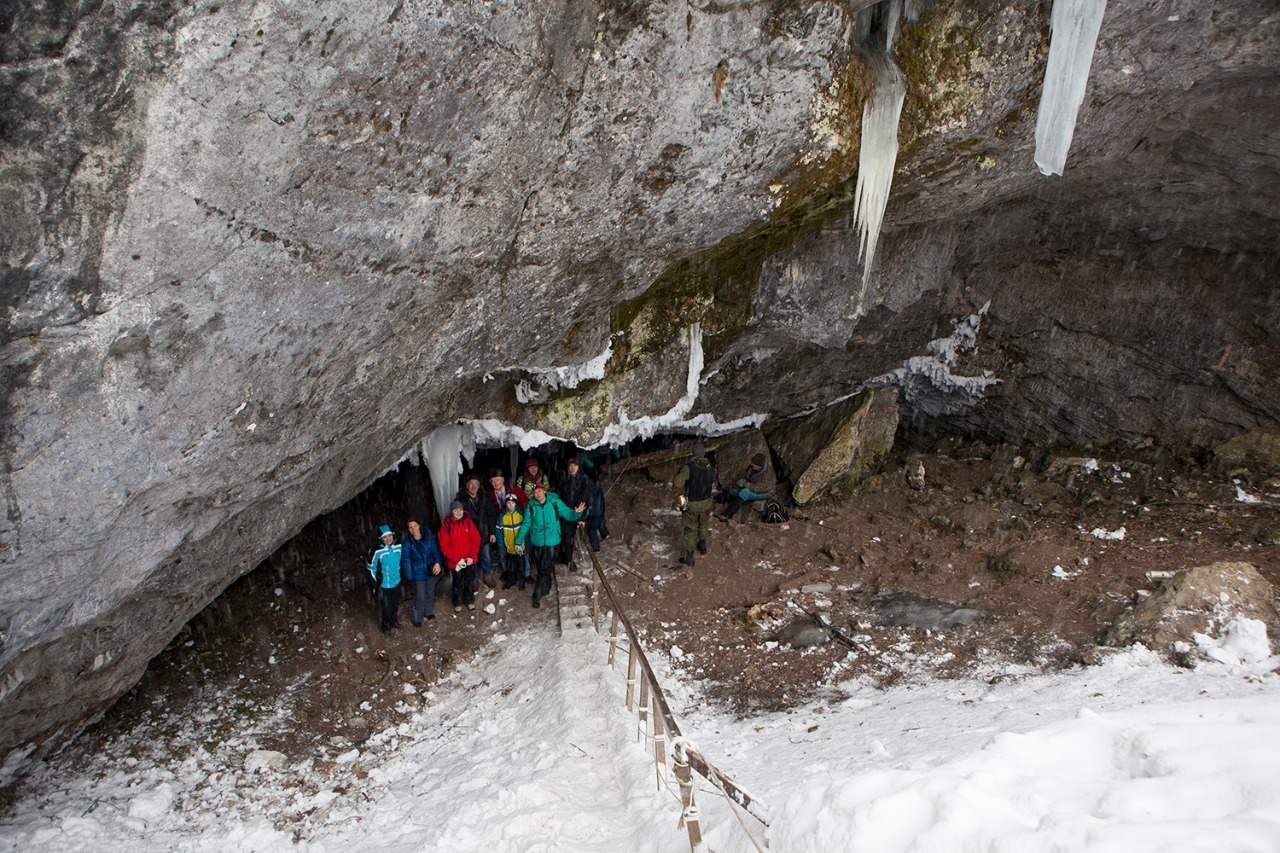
[838,447]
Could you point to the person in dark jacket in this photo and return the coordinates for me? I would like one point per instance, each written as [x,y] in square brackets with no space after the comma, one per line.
[596,528]
[695,483]
[575,488]
[477,506]
[385,568]
[541,527]
[460,544]
[420,558]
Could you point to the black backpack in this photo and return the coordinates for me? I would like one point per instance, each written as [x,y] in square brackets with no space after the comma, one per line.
[701,482]
[772,512]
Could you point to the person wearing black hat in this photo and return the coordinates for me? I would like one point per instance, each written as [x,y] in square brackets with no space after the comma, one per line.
[756,484]
[695,484]
[575,488]
[484,516]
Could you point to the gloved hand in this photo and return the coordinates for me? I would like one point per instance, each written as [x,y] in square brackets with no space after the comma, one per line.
[520,550]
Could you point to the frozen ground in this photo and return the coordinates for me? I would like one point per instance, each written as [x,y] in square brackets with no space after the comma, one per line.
[529,748]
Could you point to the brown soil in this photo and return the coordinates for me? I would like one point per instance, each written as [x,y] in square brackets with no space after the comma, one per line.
[984,532]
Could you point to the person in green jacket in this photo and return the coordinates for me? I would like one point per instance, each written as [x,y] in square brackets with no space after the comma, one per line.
[541,526]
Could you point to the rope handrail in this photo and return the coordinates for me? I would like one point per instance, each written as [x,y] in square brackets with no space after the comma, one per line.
[732,790]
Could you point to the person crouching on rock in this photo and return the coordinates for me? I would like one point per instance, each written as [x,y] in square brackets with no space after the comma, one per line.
[757,484]
[541,526]
[460,544]
[385,569]
[422,559]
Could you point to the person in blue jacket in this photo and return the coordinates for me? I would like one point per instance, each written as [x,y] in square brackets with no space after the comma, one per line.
[421,561]
[541,526]
[385,568]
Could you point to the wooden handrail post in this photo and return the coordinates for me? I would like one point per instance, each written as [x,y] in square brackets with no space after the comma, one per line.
[613,640]
[631,677]
[643,716]
[659,738]
[688,809]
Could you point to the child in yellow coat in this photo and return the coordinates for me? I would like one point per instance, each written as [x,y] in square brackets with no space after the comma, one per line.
[513,573]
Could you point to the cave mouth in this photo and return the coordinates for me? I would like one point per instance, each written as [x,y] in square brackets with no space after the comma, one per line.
[323,568]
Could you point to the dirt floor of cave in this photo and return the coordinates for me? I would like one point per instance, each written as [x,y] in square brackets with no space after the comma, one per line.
[985,532]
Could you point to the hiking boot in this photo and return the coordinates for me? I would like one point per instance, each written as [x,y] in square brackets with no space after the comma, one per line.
[489,580]
[573,567]
[702,547]
[537,601]
[687,559]
[471,607]
[457,608]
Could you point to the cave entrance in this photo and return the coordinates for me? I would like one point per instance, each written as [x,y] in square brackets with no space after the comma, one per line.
[321,574]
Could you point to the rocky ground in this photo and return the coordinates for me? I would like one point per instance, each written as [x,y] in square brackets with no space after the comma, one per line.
[1001,557]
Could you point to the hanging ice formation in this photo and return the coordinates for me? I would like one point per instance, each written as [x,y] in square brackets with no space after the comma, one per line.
[876,28]
[1074,29]
[443,450]
[674,420]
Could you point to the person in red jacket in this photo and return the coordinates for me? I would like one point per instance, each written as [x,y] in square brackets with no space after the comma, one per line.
[460,544]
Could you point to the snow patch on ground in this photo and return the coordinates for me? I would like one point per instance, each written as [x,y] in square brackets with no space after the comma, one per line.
[531,748]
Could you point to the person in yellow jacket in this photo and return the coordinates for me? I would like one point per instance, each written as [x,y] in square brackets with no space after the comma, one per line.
[508,528]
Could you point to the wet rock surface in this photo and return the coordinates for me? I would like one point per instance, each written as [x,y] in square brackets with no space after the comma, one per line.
[248,260]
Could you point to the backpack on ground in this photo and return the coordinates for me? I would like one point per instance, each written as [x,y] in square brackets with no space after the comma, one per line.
[772,512]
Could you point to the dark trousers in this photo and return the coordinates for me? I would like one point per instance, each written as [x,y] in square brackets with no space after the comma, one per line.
[424,597]
[464,585]
[568,537]
[732,506]
[389,599]
[512,570]
[544,562]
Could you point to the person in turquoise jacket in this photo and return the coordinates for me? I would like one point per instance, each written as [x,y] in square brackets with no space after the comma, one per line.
[385,568]
[541,527]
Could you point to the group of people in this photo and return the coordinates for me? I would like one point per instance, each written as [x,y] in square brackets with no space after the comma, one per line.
[523,528]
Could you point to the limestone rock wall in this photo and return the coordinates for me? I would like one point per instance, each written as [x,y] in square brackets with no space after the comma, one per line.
[253,251]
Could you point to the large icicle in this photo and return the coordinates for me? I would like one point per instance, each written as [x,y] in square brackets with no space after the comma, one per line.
[878,154]
[443,451]
[1074,25]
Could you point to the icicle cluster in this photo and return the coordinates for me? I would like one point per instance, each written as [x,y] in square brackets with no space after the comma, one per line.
[1074,25]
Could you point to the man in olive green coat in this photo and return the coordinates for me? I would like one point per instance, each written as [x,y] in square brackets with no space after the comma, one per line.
[696,482]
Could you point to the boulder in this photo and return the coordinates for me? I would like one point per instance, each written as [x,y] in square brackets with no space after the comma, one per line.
[837,447]
[1202,600]
[805,631]
[908,610]
[1258,450]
